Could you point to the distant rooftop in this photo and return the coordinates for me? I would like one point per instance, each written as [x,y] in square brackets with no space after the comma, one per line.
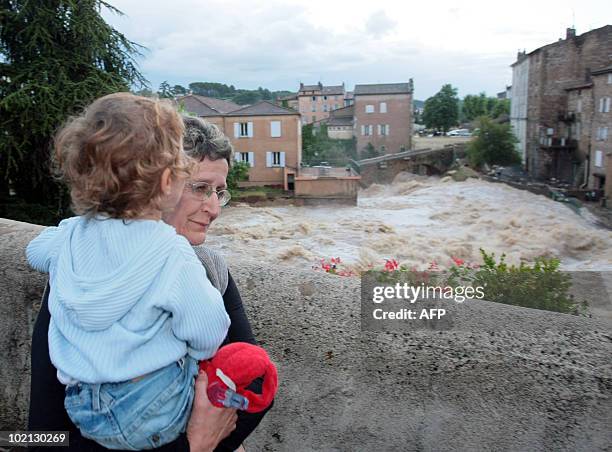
[207,106]
[263,108]
[384,88]
[604,70]
[330,90]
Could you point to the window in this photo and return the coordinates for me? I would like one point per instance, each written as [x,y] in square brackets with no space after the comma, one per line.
[246,157]
[599,159]
[367,130]
[609,79]
[383,129]
[313,108]
[604,105]
[335,106]
[324,97]
[602,133]
[578,130]
[275,129]
[275,159]
[243,130]
[369,108]
[324,107]
[579,106]
[314,98]
[383,149]
[383,107]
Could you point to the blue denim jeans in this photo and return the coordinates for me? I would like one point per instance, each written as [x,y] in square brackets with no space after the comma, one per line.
[135,415]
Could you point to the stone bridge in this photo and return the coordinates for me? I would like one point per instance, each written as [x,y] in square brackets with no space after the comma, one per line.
[425,162]
[344,389]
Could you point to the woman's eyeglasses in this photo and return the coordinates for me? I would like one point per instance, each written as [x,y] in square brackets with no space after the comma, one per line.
[204,191]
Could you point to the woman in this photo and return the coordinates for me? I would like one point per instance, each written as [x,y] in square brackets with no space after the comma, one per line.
[199,206]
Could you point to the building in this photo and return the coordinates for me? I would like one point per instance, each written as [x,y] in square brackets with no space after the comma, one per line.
[269,139]
[546,86]
[383,117]
[264,135]
[340,123]
[290,101]
[316,101]
[600,168]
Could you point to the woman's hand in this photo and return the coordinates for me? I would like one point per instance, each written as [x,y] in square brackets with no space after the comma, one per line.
[208,425]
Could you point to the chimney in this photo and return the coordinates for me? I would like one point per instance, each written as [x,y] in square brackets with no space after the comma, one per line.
[301,86]
[320,85]
[570,33]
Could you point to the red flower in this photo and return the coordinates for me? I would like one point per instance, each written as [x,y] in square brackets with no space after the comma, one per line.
[458,262]
[391,265]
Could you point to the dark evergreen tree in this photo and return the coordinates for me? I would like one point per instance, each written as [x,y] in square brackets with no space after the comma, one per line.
[56,56]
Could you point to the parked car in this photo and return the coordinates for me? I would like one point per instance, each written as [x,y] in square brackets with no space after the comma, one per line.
[458,133]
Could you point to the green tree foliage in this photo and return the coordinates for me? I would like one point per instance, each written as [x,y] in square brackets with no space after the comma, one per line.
[317,147]
[238,96]
[494,144]
[442,110]
[55,58]
[475,106]
[165,91]
[179,90]
[237,173]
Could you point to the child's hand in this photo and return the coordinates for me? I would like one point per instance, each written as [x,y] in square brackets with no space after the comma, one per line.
[208,425]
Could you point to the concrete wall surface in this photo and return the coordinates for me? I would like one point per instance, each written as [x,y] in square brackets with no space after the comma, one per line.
[343,389]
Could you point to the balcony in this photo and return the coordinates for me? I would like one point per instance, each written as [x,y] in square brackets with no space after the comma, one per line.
[567,117]
[552,144]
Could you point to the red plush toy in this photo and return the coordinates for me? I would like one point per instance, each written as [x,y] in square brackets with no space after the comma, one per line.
[232,369]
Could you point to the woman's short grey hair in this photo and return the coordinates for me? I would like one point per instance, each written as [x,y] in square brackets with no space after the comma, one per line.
[203,139]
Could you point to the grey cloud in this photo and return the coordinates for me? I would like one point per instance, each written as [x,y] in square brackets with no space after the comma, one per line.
[379,24]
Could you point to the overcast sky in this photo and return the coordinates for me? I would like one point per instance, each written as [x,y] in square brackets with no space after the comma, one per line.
[278,44]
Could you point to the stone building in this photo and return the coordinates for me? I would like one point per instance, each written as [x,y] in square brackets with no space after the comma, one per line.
[600,168]
[383,117]
[544,84]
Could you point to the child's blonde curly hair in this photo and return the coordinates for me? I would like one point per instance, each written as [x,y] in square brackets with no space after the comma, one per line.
[113,155]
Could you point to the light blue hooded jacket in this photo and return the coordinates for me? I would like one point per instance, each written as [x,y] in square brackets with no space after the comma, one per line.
[126,298]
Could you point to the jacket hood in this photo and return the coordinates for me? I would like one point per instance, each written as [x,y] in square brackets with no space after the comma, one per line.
[106,266]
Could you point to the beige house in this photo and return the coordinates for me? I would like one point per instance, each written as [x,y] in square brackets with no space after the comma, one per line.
[340,123]
[269,139]
[264,135]
[383,117]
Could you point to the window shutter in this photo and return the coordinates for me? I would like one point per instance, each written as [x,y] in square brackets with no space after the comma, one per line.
[282,161]
[371,129]
[237,157]
[236,130]
[268,159]
[250,130]
[363,130]
[251,157]
[378,127]
[388,131]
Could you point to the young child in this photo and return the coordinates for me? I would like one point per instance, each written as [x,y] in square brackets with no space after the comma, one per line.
[131,307]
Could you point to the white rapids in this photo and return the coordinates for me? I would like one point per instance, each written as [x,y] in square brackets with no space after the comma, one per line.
[417,220]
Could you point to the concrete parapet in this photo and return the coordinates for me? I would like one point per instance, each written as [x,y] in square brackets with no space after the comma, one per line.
[346,389]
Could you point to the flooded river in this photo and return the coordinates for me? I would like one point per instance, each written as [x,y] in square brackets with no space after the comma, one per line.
[417,220]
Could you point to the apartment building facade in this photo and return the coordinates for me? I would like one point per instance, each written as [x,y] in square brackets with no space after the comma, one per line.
[265,136]
[549,85]
[269,139]
[315,102]
[383,117]
[600,168]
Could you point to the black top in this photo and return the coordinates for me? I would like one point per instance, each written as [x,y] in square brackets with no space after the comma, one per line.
[47,393]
